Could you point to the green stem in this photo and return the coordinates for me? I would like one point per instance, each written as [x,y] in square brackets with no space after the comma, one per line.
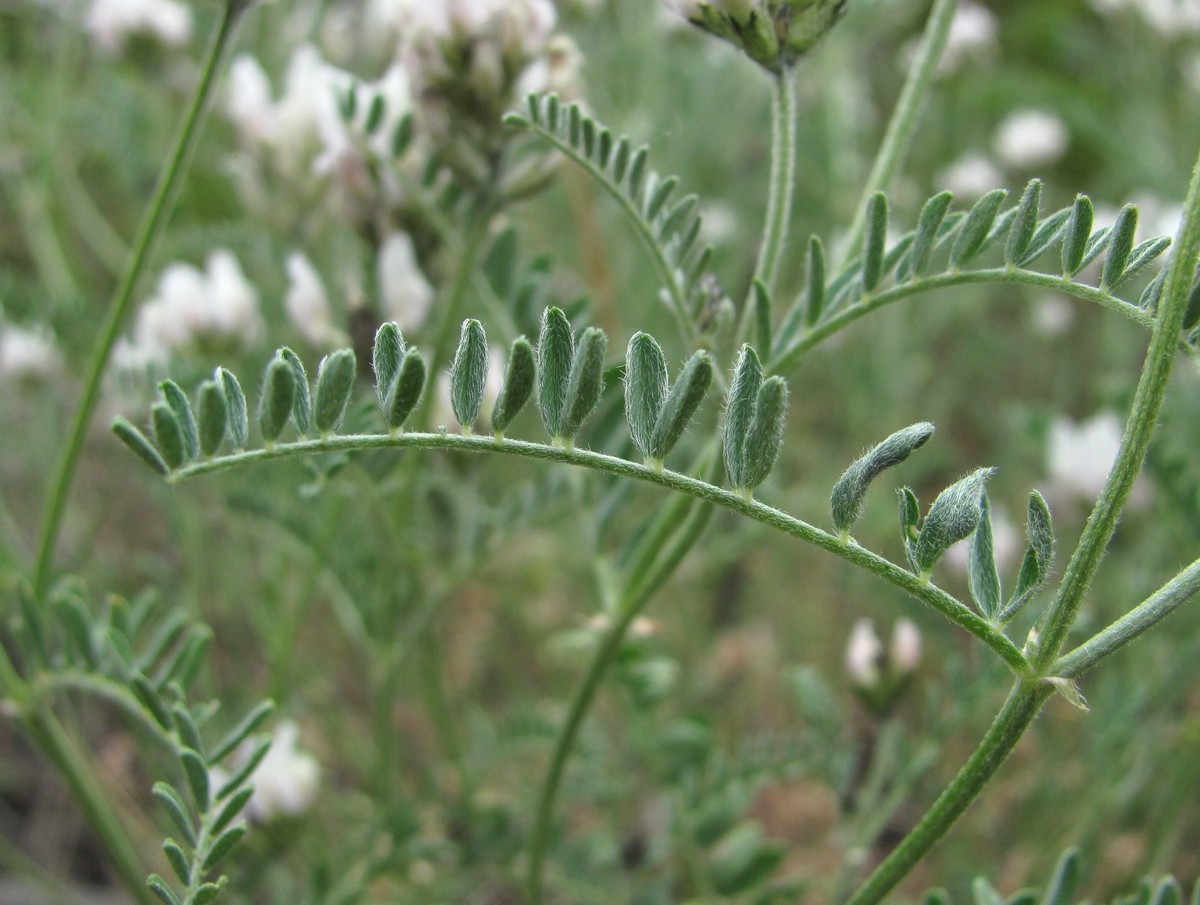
[928,593]
[1151,389]
[53,741]
[1178,591]
[780,190]
[1023,704]
[580,704]
[122,301]
[789,358]
[904,118]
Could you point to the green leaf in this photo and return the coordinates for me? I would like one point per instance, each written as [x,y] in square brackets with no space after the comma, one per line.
[953,516]
[1076,235]
[212,416]
[637,170]
[159,887]
[206,892]
[185,725]
[1024,223]
[335,382]
[657,193]
[851,488]
[235,404]
[176,809]
[75,619]
[743,860]
[975,229]
[1047,234]
[1143,255]
[302,404]
[278,395]
[1038,558]
[197,776]
[178,401]
[403,135]
[224,845]
[468,373]
[148,697]
[739,413]
[762,314]
[1061,888]
[645,388]
[178,861]
[1097,242]
[1119,247]
[239,733]
[982,576]
[681,404]
[933,212]
[168,434]
[185,660]
[139,445]
[555,352]
[406,390]
[586,381]
[765,436]
[245,770]
[519,379]
[874,241]
[230,810]
[500,264]
[375,114]
[1168,892]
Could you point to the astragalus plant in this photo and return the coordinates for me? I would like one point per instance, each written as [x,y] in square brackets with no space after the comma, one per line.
[460,342]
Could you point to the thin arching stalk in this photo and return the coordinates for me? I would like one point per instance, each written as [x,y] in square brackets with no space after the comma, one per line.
[122,302]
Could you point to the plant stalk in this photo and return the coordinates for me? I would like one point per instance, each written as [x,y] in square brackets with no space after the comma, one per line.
[1143,417]
[898,137]
[1023,704]
[151,227]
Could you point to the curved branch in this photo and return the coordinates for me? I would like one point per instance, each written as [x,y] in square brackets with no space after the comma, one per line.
[787,360]
[927,593]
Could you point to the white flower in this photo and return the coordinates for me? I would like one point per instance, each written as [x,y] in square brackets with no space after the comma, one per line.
[1171,18]
[972,34]
[971,176]
[904,652]
[1080,456]
[285,782]
[112,22]
[864,653]
[1051,316]
[307,304]
[685,8]
[28,352]
[404,293]
[216,305]
[1030,138]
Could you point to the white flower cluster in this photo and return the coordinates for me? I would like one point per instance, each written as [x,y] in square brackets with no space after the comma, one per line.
[405,295]
[191,307]
[867,663]
[1027,138]
[28,352]
[111,23]
[1170,18]
[285,782]
[303,128]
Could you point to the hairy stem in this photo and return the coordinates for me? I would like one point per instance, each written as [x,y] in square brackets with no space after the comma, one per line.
[787,359]
[1023,704]
[1162,603]
[1147,402]
[122,301]
[53,741]
[928,593]
[781,188]
[904,118]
